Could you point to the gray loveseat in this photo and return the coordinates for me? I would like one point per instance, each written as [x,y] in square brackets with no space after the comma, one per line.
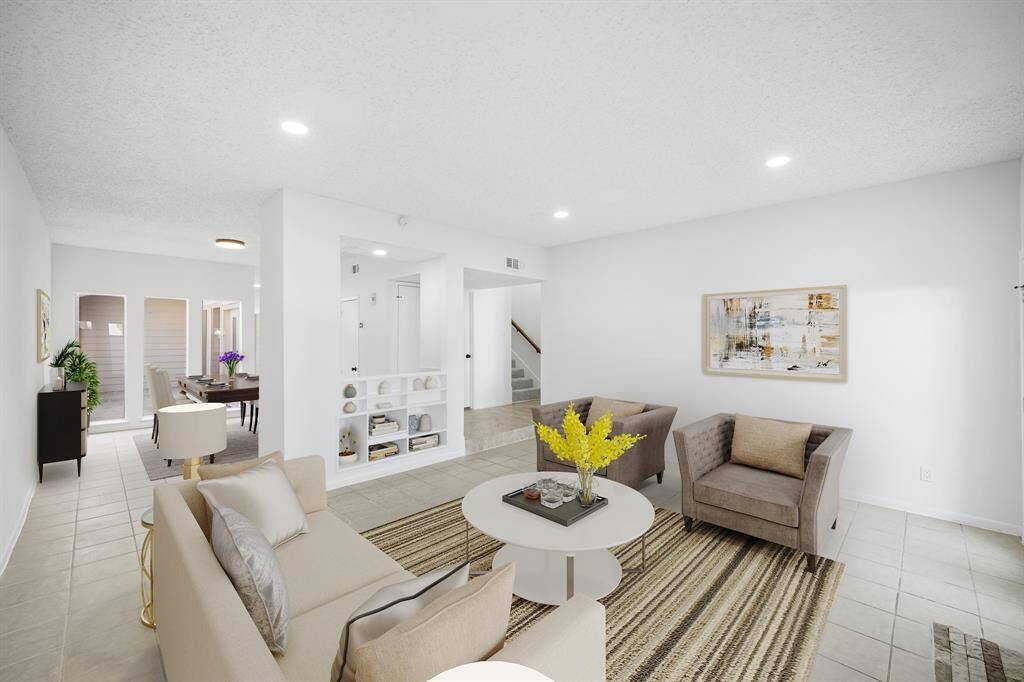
[767,505]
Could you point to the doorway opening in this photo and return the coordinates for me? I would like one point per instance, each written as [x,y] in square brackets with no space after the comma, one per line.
[502,337]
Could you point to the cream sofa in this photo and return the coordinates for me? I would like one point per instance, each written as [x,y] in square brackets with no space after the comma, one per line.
[205,633]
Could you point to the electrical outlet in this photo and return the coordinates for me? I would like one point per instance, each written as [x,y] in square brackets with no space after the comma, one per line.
[926,474]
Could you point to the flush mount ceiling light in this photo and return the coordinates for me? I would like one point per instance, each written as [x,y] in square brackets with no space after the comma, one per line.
[380,252]
[777,161]
[233,244]
[257,285]
[560,214]
[294,127]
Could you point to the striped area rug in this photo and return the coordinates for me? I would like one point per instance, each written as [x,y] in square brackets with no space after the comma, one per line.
[712,604]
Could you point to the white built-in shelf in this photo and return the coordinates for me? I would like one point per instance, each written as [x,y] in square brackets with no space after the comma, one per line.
[434,402]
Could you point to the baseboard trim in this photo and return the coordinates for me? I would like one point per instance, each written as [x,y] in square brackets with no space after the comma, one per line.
[13,540]
[935,512]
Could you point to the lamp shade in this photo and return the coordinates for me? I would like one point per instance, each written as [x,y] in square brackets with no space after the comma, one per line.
[194,430]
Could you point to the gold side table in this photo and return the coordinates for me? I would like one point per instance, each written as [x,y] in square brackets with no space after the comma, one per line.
[146,562]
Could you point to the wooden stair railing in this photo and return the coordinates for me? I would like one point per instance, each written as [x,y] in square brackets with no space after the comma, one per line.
[515,325]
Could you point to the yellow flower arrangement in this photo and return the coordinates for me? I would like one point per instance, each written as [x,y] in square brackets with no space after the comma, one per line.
[588,451]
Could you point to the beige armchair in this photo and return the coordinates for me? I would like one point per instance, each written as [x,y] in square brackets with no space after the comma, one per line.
[782,509]
[643,460]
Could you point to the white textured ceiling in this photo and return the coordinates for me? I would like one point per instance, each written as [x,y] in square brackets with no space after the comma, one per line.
[155,125]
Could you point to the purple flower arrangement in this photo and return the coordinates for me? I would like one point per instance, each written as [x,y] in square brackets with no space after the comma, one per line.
[231,360]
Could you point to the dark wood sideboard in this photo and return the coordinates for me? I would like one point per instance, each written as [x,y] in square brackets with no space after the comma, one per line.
[63,425]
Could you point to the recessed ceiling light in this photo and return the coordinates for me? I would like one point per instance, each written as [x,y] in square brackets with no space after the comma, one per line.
[294,127]
[257,285]
[380,252]
[233,244]
[560,214]
[777,161]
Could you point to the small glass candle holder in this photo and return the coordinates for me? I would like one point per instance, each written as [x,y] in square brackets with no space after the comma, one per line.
[551,497]
[569,491]
[532,493]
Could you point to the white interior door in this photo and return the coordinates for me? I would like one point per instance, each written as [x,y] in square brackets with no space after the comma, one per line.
[350,337]
[407,336]
[467,322]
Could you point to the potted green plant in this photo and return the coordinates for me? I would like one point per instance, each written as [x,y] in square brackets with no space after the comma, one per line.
[81,369]
[59,362]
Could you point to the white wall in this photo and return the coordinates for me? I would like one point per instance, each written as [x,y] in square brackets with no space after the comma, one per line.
[934,361]
[526,311]
[79,270]
[376,278]
[492,355]
[301,371]
[24,267]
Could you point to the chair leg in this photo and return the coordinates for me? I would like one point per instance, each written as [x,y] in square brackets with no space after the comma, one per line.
[257,424]
[834,524]
[812,562]
[211,458]
[688,523]
[168,462]
[661,475]
[152,432]
[241,409]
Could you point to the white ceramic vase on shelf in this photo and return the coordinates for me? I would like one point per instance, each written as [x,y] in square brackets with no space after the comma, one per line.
[425,423]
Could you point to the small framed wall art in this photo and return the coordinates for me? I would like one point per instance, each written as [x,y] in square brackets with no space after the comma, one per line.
[779,333]
[42,325]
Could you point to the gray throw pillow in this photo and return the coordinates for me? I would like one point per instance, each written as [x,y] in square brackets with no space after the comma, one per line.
[389,606]
[249,561]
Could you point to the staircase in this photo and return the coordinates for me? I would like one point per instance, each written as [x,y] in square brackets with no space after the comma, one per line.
[522,386]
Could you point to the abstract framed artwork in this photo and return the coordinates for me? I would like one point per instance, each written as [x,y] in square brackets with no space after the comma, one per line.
[777,333]
[42,325]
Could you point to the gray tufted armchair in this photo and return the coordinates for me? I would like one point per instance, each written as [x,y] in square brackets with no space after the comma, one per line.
[767,505]
[643,460]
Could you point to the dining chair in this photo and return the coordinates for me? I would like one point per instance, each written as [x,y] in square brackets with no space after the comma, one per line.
[164,398]
[254,415]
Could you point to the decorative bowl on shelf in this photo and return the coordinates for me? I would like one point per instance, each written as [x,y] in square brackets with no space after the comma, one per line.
[350,391]
[349,407]
[347,457]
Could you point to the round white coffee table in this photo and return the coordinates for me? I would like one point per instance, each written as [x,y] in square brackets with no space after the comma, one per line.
[554,561]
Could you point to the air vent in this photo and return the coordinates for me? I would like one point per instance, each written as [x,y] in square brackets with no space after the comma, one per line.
[512,263]
[355,269]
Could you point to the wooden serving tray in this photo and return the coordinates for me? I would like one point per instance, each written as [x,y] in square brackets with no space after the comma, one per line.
[566,515]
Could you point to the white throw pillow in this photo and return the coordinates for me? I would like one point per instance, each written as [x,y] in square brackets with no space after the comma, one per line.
[263,495]
[389,606]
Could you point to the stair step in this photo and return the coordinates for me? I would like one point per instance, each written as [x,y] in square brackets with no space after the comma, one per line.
[522,383]
[518,373]
[519,395]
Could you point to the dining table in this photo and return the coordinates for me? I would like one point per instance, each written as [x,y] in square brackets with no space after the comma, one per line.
[236,389]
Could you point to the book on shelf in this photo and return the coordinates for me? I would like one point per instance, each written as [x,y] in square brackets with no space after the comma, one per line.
[424,442]
[381,451]
[380,429]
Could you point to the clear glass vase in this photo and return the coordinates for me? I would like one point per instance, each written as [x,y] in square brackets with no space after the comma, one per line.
[586,492]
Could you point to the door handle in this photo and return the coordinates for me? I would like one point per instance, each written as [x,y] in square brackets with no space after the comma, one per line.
[468,356]
[355,369]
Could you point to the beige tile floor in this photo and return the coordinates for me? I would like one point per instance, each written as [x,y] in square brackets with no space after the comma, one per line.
[69,599]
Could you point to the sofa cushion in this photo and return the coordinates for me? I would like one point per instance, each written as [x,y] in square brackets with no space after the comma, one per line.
[313,636]
[755,492]
[210,471]
[770,444]
[619,409]
[464,626]
[329,561]
[263,495]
